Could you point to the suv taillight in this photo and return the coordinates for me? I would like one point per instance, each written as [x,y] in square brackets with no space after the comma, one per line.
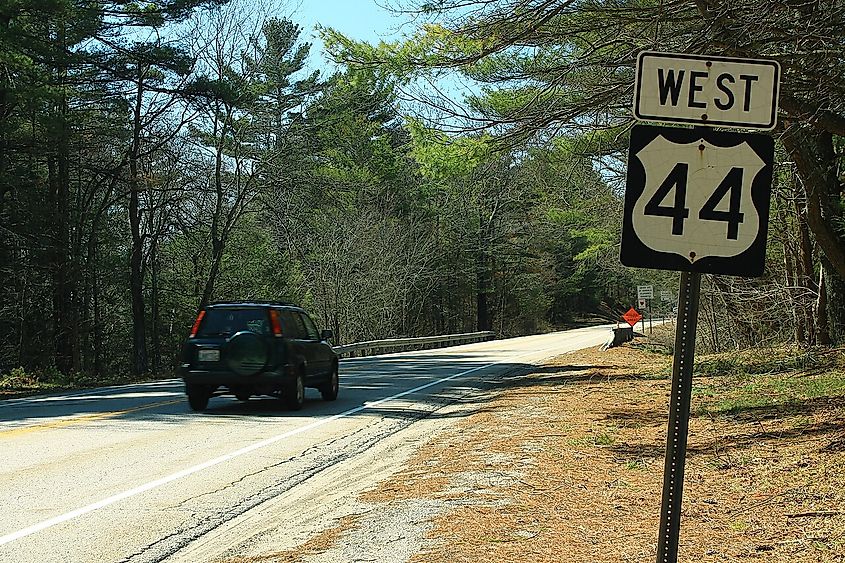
[275,323]
[197,322]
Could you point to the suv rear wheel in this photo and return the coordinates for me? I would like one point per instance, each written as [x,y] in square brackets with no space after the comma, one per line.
[198,396]
[295,395]
[329,390]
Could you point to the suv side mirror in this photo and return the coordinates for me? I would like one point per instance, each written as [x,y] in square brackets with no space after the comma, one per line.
[326,335]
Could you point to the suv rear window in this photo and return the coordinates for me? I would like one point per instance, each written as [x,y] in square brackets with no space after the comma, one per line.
[292,326]
[226,321]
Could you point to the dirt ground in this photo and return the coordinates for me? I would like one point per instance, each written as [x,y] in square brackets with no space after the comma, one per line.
[566,464]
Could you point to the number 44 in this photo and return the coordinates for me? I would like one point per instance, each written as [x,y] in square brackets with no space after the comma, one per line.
[677,179]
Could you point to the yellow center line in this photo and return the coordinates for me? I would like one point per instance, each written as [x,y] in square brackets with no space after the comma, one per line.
[80,419]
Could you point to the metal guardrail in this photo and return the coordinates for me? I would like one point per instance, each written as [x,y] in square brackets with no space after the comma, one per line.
[418,343]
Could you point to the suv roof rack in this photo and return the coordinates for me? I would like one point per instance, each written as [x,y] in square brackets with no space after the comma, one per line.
[253,302]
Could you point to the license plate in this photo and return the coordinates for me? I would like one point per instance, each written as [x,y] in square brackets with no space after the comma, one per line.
[209,355]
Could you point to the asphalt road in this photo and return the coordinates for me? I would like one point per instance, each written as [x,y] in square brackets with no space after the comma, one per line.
[129,473]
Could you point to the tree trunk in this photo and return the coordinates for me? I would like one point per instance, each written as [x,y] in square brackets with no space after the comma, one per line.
[93,330]
[815,159]
[4,184]
[195,271]
[835,307]
[156,329]
[5,114]
[139,364]
[482,277]
[76,304]
[338,340]
[22,317]
[213,272]
[217,231]
[59,181]
[98,326]
[715,324]
[805,271]
[58,169]
[823,327]
[791,280]
[481,304]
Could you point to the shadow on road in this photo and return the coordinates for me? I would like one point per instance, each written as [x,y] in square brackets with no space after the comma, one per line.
[368,383]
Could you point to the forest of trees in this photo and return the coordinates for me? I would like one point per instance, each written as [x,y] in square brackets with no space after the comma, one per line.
[157,156]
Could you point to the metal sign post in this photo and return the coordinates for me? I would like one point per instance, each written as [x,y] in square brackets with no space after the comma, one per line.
[679,406]
[649,317]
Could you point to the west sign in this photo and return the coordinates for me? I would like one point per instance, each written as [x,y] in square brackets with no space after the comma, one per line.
[703,90]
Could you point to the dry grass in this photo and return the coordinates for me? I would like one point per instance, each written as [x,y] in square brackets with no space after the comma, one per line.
[566,465]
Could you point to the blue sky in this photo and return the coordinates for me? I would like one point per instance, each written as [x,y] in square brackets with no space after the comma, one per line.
[365,20]
[358,19]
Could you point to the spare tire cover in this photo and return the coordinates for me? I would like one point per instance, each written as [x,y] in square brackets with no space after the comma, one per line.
[246,353]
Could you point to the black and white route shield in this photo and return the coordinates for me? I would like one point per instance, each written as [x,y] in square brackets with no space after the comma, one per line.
[697,200]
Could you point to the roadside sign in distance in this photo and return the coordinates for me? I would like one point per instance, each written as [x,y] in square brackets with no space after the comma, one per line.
[665,296]
[702,90]
[645,292]
[632,317]
[697,200]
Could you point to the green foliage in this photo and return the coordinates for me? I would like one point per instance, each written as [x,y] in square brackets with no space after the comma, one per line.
[441,158]
[18,378]
[777,393]
[432,45]
[770,361]
[253,266]
[777,378]
[547,72]
[68,74]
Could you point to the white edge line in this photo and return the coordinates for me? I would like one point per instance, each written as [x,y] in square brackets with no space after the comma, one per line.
[29,530]
[58,395]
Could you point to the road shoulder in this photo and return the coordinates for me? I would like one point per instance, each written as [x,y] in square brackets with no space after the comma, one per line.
[567,463]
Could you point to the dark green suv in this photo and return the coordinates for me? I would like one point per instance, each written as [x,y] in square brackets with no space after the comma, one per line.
[257,348]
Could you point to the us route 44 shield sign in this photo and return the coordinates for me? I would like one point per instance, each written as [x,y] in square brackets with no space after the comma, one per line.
[697,200]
